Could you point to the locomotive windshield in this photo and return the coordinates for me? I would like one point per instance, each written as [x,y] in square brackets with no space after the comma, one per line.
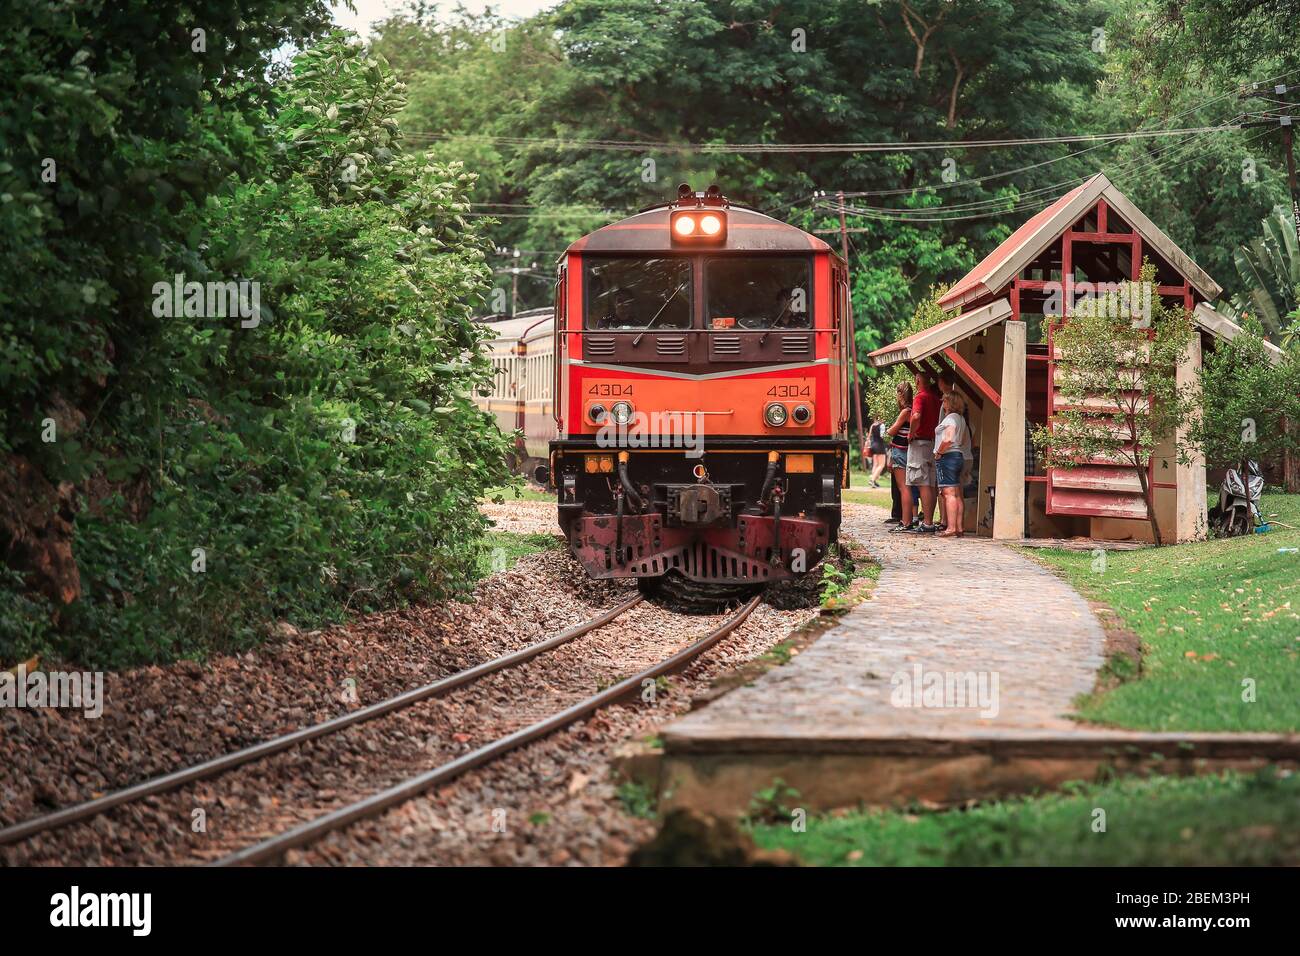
[758,293]
[639,293]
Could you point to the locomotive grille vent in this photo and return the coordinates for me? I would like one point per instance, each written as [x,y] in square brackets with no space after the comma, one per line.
[726,345]
[602,345]
[794,344]
[701,562]
[670,344]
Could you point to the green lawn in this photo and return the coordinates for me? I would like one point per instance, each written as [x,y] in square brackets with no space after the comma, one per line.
[501,550]
[861,492]
[522,492]
[1212,617]
[1167,821]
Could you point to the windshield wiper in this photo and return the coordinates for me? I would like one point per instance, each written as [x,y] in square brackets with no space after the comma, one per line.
[649,325]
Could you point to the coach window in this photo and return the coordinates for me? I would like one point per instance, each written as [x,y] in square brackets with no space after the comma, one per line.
[758,293]
[639,293]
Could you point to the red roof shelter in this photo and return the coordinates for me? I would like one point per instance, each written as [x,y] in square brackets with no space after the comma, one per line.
[998,346]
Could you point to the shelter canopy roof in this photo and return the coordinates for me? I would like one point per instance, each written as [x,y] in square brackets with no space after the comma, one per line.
[1027,243]
[927,342]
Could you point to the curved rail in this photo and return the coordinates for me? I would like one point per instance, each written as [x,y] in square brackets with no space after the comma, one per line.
[375,804]
[217,765]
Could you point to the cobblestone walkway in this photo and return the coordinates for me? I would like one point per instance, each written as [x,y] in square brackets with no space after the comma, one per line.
[949,613]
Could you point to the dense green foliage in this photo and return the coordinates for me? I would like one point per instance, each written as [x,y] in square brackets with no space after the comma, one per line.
[1250,399]
[499,94]
[309,448]
[1268,267]
[675,72]
[1229,820]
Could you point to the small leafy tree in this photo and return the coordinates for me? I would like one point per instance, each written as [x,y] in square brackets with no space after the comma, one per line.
[1251,401]
[1118,374]
[879,388]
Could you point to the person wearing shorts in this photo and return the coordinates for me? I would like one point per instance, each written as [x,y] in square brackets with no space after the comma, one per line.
[951,452]
[920,448]
[879,456]
[898,438]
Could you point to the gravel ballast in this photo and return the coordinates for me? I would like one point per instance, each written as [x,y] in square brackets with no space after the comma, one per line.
[551,802]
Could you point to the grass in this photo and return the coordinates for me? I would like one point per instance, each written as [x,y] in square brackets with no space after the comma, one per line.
[1217,620]
[779,654]
[860,491]
[502,550]
[521,492]
[1167,821]
[637,798]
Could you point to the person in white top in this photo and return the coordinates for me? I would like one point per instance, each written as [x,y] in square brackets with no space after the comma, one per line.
[951,453]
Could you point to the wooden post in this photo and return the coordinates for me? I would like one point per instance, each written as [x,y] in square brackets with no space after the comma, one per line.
[1009,500]
[1290,461]
[1191,522]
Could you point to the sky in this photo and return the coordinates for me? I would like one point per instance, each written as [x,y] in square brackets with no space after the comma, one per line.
[368,11]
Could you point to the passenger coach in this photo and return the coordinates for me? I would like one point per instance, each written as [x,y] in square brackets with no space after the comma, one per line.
[701,426]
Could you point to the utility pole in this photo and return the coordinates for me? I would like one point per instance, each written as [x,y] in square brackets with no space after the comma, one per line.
[1287,122]
[1289,143]
[514,287]
[853,333]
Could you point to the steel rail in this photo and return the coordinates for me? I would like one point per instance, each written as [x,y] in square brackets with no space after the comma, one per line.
[311,830]
[217,765]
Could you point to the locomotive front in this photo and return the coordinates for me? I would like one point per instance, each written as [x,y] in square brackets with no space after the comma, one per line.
[701,426]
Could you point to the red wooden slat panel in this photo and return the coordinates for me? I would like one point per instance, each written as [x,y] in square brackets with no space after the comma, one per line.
[1072,501]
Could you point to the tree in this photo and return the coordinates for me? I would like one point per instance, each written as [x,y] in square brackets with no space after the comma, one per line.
[1269,270]
[1225,39]
[120,120]
[321,452]
[1251,397]
[1183,63]
[1118,374]
[673,72]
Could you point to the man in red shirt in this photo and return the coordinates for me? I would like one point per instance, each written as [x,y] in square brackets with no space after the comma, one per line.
[920,448]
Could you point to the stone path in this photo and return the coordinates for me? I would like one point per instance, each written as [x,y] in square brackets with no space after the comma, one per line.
[961,638]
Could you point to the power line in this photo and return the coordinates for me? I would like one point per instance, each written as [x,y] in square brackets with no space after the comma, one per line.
[1156,161]
[1021,169]
[1035,205]
[877,147]
[996,202]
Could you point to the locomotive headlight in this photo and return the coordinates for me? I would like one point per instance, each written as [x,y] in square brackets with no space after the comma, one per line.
[775,414]
[597,413]
[622,413]
[696,226]
[802,414]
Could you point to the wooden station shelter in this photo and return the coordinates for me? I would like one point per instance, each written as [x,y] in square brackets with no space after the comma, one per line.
[998,348]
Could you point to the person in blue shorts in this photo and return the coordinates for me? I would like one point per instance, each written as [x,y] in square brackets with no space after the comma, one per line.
[898,437]
[952,449]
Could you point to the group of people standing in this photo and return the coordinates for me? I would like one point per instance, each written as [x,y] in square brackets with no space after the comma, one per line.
[927,450]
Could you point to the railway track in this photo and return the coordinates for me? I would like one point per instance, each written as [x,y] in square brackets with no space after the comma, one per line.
[312,830]
[218,765]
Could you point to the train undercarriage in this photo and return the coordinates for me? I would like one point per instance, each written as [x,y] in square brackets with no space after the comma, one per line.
[741,514]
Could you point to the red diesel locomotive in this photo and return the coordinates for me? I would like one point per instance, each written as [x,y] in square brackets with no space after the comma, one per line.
[702,405]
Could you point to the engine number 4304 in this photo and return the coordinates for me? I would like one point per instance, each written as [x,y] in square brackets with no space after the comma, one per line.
[790,390]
